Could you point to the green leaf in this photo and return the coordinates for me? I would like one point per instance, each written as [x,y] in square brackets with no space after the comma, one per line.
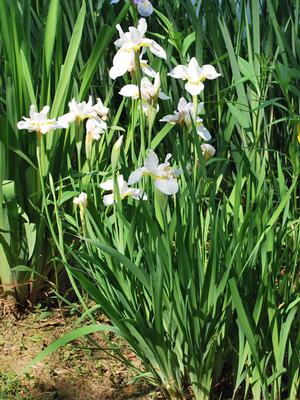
[67,68]
[67,338]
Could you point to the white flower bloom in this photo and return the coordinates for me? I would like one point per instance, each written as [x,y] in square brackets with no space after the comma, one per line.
[208,150]
[165,177]
[79,111]
[195,75]
[150,92]
[202,131]
[130,43]
[124,191]
[119,69]
[146,69]
[100,109]
[81,200]
[84,110]
[184,116]
[94,128]
[130,91]
[39,121]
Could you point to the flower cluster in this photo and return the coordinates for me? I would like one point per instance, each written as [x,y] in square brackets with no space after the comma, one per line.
[148,92]
[184,116]
[94,114]
[132,46]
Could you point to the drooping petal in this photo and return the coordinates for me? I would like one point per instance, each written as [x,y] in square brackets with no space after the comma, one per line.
[179,72]
[163,96]
[203,132]
[130,91]
[63,124]
[67,118]
[167,186]
[147,69]
[155,48]
[209,72]
[172,118]
[194,88]
[135,176]
[121,63]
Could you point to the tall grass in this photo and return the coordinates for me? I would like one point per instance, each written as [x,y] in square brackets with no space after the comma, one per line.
[40,63]
[204,286]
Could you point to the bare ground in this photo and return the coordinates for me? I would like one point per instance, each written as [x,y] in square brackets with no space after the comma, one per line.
[74,372]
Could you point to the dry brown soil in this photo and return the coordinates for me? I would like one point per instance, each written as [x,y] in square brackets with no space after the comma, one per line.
[74,372]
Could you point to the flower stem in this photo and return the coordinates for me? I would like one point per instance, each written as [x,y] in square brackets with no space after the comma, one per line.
[78,139]
[195,102]
[137,81]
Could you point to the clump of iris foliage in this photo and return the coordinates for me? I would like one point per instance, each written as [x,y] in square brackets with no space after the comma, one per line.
[195,257]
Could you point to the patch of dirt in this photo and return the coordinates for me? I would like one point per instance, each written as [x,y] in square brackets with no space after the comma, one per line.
[78,371]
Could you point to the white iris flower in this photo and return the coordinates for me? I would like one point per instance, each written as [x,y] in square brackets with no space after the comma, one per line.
[132,42]
[184,116]
[150,93]
[116,71]
[79,111]
[195,75]
[124,191]
[39,121]
[95,127]
[165,177]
